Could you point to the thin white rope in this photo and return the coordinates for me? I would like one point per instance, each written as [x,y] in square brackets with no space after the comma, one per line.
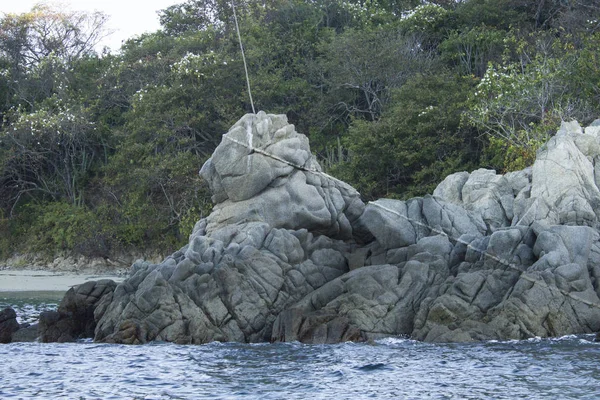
[506,263]
[237,28]
[300,167]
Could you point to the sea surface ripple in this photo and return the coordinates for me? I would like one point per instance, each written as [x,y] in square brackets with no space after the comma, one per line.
[393,368]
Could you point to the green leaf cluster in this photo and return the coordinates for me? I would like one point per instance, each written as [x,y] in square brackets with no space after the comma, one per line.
[415,143]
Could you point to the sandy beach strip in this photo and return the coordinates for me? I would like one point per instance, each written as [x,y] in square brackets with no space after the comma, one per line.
[30,280]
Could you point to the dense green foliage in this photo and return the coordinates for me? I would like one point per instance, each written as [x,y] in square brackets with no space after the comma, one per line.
[100,153]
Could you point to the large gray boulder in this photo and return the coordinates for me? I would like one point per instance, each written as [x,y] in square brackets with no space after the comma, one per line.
[290,253]
[396,224]
[563,178]
[561,188]
[514,284]
[263,171]
[494,197]
[26,333]
[228,286]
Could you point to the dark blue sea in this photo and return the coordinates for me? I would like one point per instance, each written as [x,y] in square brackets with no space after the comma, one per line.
[393,368]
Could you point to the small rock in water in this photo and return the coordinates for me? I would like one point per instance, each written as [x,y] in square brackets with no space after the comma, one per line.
[8,324]
[27,333]
[74,318]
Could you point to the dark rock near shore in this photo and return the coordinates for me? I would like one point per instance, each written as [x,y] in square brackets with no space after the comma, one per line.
[290,253]
[26,333]
[8,324]
[74,318]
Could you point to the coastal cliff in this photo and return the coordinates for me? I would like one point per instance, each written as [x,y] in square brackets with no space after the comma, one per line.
[290,253]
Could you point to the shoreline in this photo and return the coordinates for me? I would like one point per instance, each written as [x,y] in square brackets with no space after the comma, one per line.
[120,265]
[31,280]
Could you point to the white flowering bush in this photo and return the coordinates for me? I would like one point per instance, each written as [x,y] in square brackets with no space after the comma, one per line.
[50,151]
[195,68]
[520,104]
[424,17]
[511,100]
[365,13]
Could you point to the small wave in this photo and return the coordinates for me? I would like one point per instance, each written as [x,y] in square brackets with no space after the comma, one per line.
[97,345]
[581,338]
[215,344]
[563,338]
[535,339]
[372,367]
[588,339]
[394,341]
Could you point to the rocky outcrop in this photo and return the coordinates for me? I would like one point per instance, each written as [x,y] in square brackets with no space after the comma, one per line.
[511,261]
[280,229]
[290,253]
[74,318]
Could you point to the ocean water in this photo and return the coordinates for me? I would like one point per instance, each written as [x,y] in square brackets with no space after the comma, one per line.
[393,368]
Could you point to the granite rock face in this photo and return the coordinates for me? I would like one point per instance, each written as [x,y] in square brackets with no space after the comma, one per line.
[263,171]
[290,253]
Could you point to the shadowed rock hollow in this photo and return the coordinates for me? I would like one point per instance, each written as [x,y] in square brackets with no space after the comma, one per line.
[289,253]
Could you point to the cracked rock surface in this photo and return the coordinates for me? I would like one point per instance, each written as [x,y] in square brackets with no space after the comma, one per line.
[291,254]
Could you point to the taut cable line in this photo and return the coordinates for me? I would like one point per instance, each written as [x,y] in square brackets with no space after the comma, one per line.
[237,28]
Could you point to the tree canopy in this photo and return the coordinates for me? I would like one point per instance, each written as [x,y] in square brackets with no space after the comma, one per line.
[99,153]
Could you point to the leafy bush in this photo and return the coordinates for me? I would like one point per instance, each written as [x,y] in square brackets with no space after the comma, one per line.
[59,226]
[521,103]
[415,144]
